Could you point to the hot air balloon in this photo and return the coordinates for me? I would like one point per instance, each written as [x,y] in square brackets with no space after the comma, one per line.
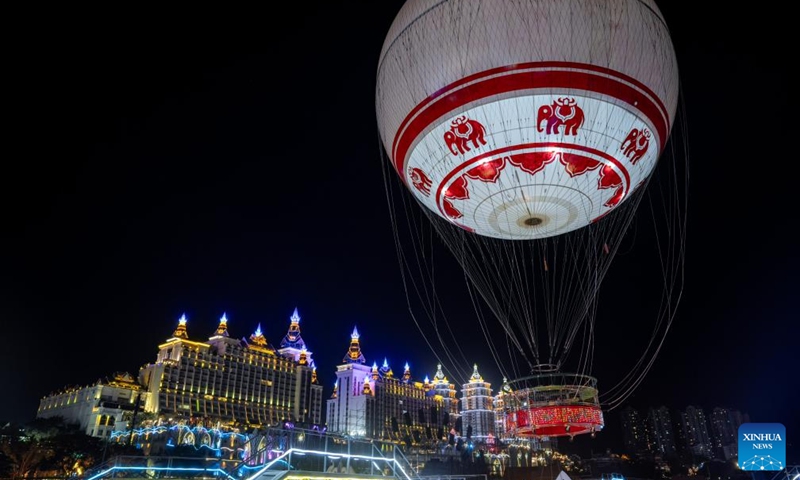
[527,131]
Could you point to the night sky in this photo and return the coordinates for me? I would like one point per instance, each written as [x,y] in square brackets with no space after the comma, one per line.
[152,169]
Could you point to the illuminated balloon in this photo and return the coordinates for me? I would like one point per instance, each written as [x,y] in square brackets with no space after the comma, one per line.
[526,119]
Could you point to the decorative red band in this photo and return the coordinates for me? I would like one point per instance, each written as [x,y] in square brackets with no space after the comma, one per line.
[556,420]
[527,76]
[506,151]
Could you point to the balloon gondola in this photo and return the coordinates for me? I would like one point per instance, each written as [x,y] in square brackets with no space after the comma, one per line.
[552,405]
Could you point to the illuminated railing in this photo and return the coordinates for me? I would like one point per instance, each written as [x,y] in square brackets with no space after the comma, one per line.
[268,453]
[791,472]
[301,460]
[163,467]
[318,451]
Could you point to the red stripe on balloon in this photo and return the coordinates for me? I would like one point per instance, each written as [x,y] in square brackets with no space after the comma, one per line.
[510,79]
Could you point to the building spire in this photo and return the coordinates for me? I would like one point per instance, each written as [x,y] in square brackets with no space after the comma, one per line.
[258,337]
[366,390]
[292,338]
[476,377]
[375,374]
[406,373]
[180,331]
[439,377]
[314,379]
[386,371]
[222,328]
[354,354]
[506,388]
[335,389]
[303,360]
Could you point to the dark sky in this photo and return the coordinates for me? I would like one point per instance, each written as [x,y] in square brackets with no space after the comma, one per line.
[160,170]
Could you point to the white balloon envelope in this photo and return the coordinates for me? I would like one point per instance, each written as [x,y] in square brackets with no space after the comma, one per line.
[523,119]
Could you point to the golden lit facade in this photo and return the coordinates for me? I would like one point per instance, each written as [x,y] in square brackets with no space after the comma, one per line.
[477,407]
[499,407]
[98,408]
[375,403]
[244,381]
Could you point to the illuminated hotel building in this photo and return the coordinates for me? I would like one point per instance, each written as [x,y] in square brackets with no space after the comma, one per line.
[478,411]
[246,381]
[95,408]
[445,390]
[374,403]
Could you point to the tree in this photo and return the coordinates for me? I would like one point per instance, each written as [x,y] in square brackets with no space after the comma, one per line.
[73,452]
[5,465]
[24,457]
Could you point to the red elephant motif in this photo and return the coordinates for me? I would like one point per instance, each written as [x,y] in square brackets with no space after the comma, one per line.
[563,111]
[420,181]
[462,131]
[635,144]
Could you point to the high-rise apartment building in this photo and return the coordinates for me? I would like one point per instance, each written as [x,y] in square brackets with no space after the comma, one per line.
[635,431]
[238,381]
[724,429]
[694,430]
[662,431]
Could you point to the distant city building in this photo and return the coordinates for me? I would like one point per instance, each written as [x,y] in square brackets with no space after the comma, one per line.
[499,407]
[374,403]
[635,434]
[694,430]
[477,412]
[244,382]
[661,431]
[97,408]
[724,429]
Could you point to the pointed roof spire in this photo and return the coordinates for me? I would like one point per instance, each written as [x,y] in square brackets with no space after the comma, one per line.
[314,379]
[439,377]
[386,371]
[180,331]
[222,329]
[354,354]
[293,338]
[506,388]
[406,373]
[375,374]
[366,390]
[335,389]
[258,337]
[476,377]
[303,360]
